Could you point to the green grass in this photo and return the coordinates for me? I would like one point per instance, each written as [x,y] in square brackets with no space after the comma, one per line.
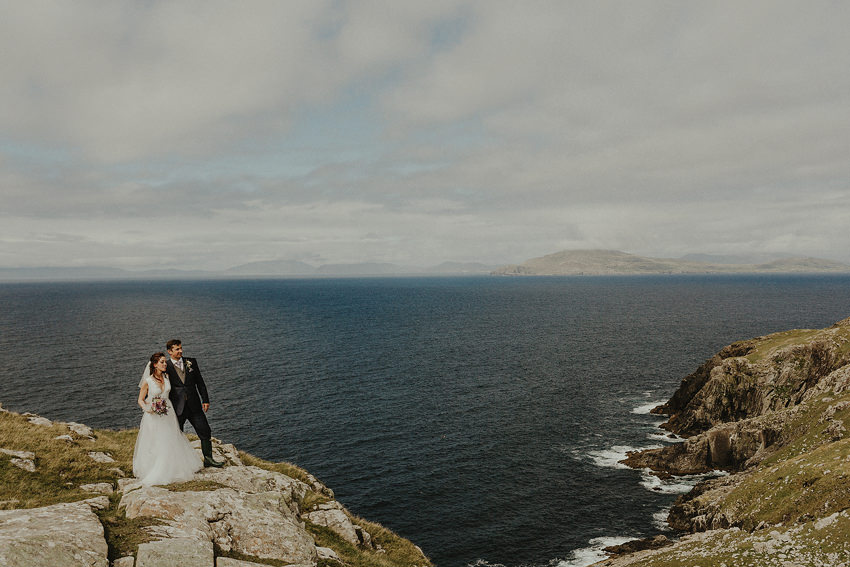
[398,552]
[287,469]
[123,535]
[61,466]
[769,347]
[194,486]
[766,345]
[809,477]
[807,544]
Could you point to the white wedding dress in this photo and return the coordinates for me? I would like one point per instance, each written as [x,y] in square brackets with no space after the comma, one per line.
[163,454]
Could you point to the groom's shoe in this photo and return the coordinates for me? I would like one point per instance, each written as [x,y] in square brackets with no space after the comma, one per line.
[206,449]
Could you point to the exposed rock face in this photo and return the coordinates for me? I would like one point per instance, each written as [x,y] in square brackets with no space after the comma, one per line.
[257,514]
[329,554]
[63,534]
[100,457]
[773,411]
[749,378]
[735,407]
[727,446]
[656,542]
[331,515]
[187,552]
[22,459]
[100,487]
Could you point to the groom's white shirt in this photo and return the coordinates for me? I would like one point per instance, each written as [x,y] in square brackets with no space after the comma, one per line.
[177,363]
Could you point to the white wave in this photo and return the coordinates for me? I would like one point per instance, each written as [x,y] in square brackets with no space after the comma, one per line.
[592,554]
[646,408]
[659,519]
[610,458]
[675,484]
[665,436]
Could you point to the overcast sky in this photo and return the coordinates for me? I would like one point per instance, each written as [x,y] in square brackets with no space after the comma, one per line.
[209,134]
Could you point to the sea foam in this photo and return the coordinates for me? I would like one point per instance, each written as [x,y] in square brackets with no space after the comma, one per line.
[645,409]
[610,458]
[591,554]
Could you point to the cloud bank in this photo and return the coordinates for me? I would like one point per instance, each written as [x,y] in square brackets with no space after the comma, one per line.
[420,132]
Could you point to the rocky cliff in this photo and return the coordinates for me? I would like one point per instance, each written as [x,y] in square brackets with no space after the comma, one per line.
[67,497]
[771,413]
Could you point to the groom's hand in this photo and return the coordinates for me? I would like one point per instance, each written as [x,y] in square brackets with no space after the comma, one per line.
[205,407]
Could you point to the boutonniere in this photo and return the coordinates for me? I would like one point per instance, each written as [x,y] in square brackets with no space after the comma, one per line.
[188,366]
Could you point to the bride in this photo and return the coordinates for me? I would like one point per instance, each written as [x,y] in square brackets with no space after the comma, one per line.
[163,454]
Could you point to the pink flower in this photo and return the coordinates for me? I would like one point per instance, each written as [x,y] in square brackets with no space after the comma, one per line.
[159,406]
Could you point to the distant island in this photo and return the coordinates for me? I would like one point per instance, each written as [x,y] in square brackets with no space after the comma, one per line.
[613,262]
[264,269]
[564,263]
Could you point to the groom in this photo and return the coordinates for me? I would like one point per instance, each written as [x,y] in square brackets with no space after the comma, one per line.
[186,383]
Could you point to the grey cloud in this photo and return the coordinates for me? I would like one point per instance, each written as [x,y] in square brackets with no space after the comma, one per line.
[659,128]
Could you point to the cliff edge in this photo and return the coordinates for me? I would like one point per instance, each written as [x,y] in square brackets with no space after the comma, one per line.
[67,497]
[772,414]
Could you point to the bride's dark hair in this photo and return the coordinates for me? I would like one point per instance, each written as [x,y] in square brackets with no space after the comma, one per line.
[155,358]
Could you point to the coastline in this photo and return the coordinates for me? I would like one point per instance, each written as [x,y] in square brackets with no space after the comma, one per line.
[771,414]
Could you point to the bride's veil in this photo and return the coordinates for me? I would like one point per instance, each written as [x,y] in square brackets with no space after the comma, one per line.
[145,375]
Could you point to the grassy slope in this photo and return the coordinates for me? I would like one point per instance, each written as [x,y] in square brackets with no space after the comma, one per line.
[61,466]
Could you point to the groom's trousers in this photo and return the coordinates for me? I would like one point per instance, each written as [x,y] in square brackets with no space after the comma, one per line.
[198,421]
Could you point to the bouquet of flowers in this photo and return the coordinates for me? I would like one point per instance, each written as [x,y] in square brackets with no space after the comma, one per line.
[158,406]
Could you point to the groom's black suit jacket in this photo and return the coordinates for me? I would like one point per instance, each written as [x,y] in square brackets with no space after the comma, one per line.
[184,396]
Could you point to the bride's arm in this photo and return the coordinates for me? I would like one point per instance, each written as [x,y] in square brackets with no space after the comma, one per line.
[143,393]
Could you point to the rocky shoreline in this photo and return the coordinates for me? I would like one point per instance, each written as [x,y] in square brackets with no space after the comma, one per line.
[246,514]
[773,413]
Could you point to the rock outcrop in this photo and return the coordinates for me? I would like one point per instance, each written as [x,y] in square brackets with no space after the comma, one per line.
[237,516]
[772,411]
[735,408]
[69,534]
[255,512]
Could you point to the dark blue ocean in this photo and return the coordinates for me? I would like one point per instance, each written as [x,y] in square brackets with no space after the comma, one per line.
[480,417]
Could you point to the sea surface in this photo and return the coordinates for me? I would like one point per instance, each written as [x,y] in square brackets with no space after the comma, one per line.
[480,417]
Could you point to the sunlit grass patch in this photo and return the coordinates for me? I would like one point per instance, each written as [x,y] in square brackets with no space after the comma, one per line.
[769,344]
[124,535]
[809,477]
[287,469]
[819,542]
[397,552]
[194,486]
[61,466]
